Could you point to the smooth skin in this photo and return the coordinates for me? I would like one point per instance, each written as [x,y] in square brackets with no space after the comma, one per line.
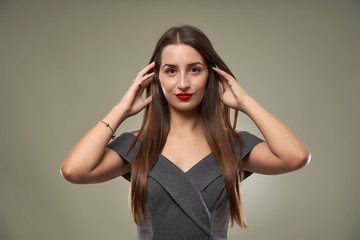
[90,161]
[183,70]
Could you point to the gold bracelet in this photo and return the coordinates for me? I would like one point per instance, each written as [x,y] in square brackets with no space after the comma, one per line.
[108,125]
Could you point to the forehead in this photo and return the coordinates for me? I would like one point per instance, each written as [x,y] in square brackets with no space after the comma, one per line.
[180,54]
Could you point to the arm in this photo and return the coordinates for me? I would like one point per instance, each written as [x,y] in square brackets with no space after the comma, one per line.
[90,161]
[283,151]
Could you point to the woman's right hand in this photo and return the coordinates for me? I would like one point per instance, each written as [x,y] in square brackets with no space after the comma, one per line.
[132,102]
[89,161]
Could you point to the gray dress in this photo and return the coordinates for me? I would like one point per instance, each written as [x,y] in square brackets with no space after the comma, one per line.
[184,205]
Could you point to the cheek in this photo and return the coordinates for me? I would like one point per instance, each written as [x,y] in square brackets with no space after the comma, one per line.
[161,83]
[167,84]
[203,83]
[164,87]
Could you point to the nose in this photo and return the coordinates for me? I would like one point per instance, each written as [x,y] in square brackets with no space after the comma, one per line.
[183,83]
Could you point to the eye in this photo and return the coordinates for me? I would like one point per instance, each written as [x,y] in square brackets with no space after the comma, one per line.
[170,70]
[194,69]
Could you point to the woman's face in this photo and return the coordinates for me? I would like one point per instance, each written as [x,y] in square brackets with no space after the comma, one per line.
[183,76]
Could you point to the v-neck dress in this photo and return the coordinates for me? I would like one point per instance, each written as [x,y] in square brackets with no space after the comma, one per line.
[184,205]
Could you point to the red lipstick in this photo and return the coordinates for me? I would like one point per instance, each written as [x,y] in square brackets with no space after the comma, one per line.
[184,96]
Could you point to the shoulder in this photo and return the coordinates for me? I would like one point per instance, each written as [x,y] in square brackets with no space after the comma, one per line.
[249,141]
[248,137]
[123,142]
[125,146]
[245,135]
[135,133]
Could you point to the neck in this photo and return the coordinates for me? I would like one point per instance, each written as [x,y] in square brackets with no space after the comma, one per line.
[185,121]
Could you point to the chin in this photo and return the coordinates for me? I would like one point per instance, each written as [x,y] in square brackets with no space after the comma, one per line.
[183,107]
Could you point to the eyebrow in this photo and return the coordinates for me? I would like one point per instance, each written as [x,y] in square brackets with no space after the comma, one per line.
[189,65]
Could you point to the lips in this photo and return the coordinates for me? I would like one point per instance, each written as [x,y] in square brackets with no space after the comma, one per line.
[183,96]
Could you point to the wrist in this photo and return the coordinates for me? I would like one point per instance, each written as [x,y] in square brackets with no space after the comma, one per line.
[109,126]
[115,117]
[247,104]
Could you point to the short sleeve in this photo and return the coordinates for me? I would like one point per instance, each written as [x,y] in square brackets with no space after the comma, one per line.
[249,142]
[121,146]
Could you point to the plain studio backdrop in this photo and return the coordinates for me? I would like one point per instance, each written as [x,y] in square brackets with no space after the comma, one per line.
[65,64]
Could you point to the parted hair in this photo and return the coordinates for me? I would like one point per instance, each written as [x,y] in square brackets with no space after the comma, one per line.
[215,117]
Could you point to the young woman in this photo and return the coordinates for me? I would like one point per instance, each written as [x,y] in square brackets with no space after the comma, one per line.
[186,162]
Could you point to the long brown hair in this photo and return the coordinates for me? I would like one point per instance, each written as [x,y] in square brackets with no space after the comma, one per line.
[214,115]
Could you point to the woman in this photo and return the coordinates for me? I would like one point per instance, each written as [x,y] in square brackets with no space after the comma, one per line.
[186,162]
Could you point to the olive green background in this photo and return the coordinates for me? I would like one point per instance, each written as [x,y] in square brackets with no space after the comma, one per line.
[65,64]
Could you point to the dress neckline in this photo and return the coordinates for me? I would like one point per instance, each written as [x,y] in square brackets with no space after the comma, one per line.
[169,160]
[192,167]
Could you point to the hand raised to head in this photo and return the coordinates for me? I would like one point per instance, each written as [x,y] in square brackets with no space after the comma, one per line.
[234,95]
[132,102]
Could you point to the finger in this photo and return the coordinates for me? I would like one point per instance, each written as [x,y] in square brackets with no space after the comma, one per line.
[143,86]
[221,95]
[140,87]
[224,83]
[139,80]
[227,77]
[143,81]
[148,100]
[147,79]
[146,70]
[221,72]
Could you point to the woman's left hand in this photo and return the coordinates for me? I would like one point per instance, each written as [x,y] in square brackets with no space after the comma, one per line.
[283,151]
[234,95]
